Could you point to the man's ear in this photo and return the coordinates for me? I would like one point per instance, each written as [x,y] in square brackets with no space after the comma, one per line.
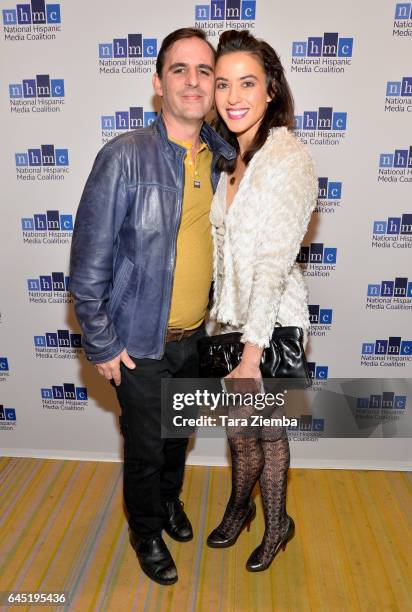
[157,84]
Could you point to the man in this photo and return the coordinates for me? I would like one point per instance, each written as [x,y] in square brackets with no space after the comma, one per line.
[141,269]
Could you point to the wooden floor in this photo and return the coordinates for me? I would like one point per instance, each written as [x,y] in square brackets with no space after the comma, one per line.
[63,529]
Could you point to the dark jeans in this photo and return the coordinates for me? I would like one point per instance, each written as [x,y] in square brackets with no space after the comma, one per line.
[153,466]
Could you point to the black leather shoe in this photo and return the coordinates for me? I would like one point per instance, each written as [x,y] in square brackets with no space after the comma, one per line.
[177,525]
[154,558]
[257,561]
[219,538]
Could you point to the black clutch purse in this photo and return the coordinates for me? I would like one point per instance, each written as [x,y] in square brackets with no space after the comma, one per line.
[283,358]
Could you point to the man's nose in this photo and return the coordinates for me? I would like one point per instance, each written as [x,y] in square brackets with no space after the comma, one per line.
[192,76]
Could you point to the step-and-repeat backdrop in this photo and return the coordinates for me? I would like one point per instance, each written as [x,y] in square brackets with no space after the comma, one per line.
[76,74]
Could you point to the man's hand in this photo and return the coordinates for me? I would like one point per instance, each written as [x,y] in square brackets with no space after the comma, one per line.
[111,369]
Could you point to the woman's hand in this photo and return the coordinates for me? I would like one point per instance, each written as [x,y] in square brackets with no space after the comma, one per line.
[247,371]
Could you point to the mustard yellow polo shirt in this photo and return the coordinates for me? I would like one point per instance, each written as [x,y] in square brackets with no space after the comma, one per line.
[193,265]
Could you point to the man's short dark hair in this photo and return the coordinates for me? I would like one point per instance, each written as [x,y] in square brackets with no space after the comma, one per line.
[173,37]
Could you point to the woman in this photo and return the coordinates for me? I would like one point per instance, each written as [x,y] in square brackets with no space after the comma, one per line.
[260,213]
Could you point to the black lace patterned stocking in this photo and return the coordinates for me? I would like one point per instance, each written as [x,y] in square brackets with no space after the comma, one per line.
[247,464]
[272,482]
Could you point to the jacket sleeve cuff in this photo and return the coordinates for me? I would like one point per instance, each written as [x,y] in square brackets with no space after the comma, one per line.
[257,340]
[104,356]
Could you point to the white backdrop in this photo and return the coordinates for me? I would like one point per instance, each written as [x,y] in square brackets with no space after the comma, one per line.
[349,67]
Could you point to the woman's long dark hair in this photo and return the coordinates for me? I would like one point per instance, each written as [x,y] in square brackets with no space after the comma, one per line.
[279,111]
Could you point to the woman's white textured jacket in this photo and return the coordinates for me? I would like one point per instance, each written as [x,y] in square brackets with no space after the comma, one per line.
[261,283]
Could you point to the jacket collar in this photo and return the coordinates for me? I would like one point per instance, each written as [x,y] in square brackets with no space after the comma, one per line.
[216,143]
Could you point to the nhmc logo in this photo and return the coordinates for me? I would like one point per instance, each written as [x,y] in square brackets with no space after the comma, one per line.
[394,346]
[322,119]
[307,423]
[328,190]
[57,281]
[67,392]
[319,316]
[51,221]
[403,11]
[47,155]
[219,10]
[132,119]
[401,158]
[317,372]
[394,225]
[316,253]
[134,46]
[37,12]
[62,339]
[399,287]
[7,414]
[40,87]
[401,88]
[330,45]
[385,400]
[4,365]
